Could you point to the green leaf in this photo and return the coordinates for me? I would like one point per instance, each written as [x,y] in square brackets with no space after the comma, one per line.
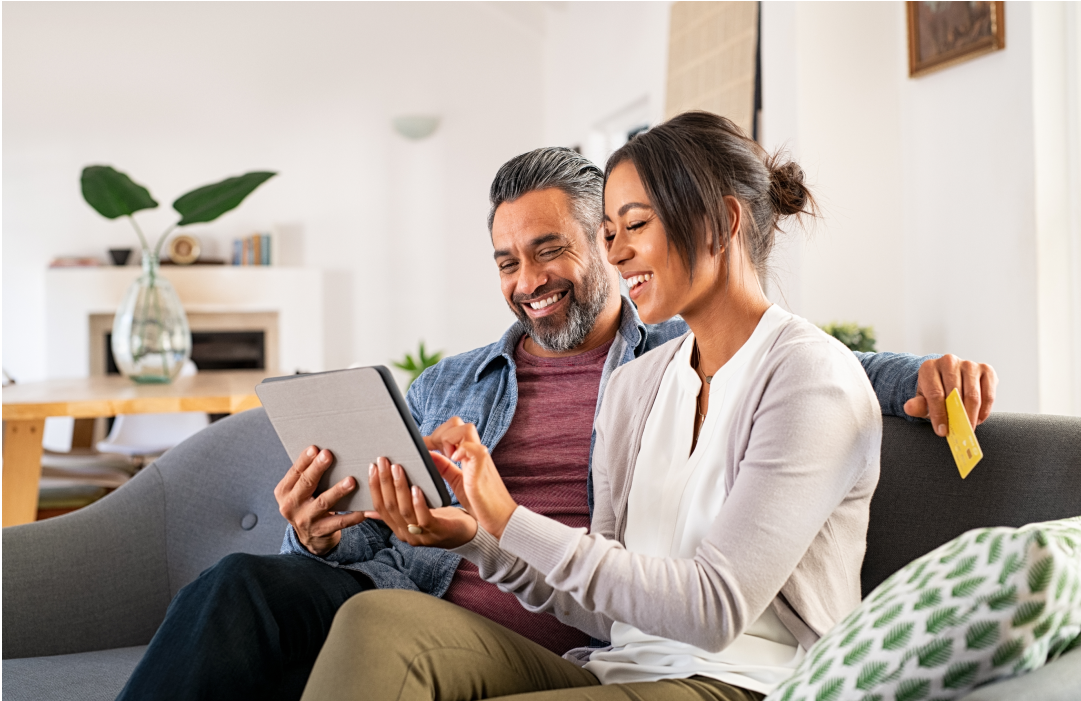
[819,654]
[935,653]
[1039,575]
[821,671]
[847,640]
[416,366]
[894,675]
[913,689]
[856,655]
[928,598]
[788,692]
[981,634]
[956,548]
[888,617]
[960,675]
[1003,598]
[113,194]
[963,567]
[831,690]
[856,337]
[995,551]
[941,618]
[1028,612]
[917,572]
[1007,651]
[967,587]
[870,675]
[898,636]
[1060,586]
[209,202]
[872,697]
[1013,563]
[1044,626]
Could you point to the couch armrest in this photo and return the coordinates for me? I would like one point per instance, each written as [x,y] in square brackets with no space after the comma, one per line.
[91,580]
[1058,681]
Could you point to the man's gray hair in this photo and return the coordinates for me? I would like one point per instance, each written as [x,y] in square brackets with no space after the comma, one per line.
[562,168]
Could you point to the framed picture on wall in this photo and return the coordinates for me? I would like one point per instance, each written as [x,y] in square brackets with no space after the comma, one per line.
[941,34]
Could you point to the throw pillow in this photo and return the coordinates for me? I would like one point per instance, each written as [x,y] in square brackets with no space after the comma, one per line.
[993,603]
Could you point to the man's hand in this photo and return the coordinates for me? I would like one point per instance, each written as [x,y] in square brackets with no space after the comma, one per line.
[400,507]
[316,527]
[976,382]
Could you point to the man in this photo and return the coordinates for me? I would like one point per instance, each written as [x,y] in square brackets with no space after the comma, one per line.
[254,624]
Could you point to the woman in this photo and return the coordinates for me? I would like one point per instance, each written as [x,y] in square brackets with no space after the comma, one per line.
[733,472]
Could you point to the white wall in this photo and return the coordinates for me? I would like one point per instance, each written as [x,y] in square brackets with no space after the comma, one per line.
[928,187]
[930,208]
[179,95]
[605,70]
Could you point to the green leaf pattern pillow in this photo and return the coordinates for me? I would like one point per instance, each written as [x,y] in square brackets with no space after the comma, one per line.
[991,604]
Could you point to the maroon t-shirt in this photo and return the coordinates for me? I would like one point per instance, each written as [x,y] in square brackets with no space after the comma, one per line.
[543,459]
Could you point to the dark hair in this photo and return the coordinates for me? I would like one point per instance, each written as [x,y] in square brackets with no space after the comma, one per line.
[562,168]
[690,163]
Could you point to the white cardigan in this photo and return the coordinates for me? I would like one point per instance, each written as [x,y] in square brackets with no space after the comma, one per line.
[801,465]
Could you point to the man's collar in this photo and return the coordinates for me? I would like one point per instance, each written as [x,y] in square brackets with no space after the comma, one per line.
[631,329]
[504,349]
[631,326]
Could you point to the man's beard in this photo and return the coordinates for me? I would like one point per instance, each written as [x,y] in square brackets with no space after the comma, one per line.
[585,301]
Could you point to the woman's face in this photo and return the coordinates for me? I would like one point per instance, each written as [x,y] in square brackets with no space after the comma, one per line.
[655,273]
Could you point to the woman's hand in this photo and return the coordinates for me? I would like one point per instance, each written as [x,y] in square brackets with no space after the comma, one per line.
[478,485]
[400,506]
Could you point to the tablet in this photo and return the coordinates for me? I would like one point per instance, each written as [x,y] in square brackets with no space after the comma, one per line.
[358,415]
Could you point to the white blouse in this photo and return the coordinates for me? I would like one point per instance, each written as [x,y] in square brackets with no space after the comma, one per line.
[675,496]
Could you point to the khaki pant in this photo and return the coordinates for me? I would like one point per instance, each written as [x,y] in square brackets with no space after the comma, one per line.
[403,646]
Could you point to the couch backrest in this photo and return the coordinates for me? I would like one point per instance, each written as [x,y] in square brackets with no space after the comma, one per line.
[221,481]
[1031,471]
[219,494]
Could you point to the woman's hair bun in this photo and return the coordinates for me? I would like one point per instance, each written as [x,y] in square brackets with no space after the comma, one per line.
[787,190]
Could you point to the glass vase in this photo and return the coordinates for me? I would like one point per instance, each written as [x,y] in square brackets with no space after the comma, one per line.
[151,339]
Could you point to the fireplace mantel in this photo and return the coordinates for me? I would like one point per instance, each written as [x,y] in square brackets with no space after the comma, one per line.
[72,295]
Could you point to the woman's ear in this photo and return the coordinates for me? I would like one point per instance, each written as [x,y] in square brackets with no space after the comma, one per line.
[735,216]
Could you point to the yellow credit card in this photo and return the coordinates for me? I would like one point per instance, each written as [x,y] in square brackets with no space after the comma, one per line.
[962,439]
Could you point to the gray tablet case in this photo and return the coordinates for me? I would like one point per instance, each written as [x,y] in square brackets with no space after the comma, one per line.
[358,415]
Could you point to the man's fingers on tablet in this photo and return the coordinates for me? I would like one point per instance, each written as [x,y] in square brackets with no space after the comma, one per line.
[296,470]
[310,476]
[327,500]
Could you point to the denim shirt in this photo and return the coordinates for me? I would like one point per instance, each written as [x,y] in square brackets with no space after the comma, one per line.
[481,387]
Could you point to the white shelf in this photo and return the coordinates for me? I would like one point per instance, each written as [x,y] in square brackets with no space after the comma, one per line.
[295,294]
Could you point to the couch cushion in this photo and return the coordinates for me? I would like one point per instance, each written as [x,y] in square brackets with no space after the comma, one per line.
[992,604]
[86,676]
[1031,471]
[1058,681]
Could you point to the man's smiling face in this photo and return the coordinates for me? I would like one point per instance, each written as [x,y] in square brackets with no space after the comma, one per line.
[552,273]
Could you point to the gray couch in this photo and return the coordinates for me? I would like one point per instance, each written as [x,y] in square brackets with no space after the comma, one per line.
[84,593]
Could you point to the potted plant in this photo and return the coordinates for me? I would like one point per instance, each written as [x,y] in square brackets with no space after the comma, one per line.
[151,340]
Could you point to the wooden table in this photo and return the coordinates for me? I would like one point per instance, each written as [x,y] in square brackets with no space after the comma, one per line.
[27,405]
